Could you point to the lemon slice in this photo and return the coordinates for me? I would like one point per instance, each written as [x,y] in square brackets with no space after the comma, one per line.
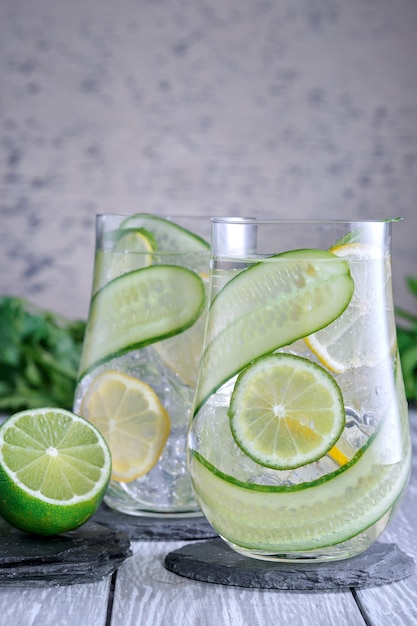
[131,250]
[286,411]
[360,336]
[54,470]
[132,419]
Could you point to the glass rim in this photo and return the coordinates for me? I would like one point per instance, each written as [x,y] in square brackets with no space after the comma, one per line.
[157,215]
[235,219]
[323,221]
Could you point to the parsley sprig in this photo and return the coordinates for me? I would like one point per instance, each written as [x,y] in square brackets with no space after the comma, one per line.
[407,343]
[39,355]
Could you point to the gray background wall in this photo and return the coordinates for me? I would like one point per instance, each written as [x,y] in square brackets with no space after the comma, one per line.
[291,108]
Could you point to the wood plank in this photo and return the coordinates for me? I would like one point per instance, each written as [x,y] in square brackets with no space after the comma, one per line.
[147,594]
[74,605]
[396,604]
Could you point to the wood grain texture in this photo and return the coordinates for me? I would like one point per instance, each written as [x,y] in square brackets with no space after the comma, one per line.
[146,593]
[74,605]
[396,604]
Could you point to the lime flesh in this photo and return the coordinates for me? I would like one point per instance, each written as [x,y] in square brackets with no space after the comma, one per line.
[286,411]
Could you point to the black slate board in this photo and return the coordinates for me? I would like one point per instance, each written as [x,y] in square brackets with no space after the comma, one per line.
[143,528]
[214,562]
[87,554]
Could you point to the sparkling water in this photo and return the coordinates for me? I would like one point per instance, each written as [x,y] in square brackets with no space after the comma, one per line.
[338,505]
[167,487]
[169,367]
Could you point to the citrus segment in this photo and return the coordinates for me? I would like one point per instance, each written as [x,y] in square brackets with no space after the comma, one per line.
[360,336]
[338,456]
[132,419]
[270,305]
[54,470]
[286,411]
[140,308]
[169,236]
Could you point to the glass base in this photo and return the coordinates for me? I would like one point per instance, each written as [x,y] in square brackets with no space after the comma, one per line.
[132,499]
[117,506]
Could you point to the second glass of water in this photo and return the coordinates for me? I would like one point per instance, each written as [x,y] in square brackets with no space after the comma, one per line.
[141,353]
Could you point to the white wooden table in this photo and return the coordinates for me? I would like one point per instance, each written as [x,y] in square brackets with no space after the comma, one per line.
[143,593]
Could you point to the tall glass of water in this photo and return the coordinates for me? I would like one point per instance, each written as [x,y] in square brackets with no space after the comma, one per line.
[299,447]
[141,352]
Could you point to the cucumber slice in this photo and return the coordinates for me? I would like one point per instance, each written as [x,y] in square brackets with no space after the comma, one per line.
[305,517]
[270,305]
[169,236]
[139,308]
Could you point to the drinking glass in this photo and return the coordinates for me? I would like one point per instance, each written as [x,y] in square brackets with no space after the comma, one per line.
[299,446]
[140,355]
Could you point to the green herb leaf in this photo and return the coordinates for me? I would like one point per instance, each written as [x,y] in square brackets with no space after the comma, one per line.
[39,356]
[407,344]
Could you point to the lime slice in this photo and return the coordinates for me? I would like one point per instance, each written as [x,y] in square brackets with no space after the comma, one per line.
[270,305]
[365,333]
[139,308]
[286,411]
[284,518]
[131,250]
[54,470]
[169,236]
[132,419]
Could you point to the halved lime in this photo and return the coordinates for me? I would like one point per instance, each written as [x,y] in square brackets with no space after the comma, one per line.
[286,411]
[270,305]
[169,236]
[139,308]
[54,470]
